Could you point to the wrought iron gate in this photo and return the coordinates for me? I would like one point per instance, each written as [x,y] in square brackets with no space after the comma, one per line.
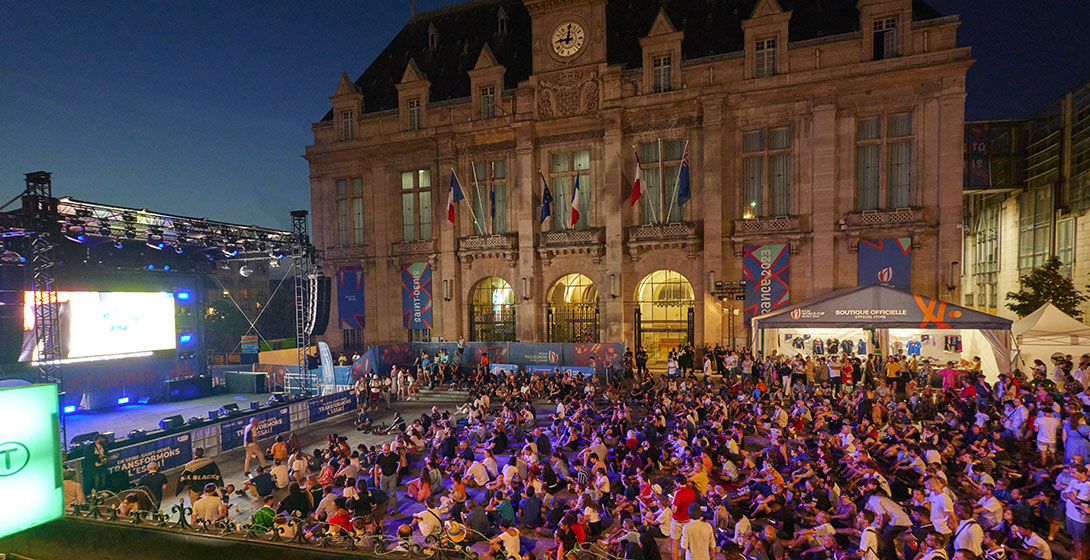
[492,322]
[573,322]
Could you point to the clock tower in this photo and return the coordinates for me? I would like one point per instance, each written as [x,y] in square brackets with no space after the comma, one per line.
[567,33]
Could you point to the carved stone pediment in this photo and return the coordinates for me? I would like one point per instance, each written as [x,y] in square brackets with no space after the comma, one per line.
[568,94]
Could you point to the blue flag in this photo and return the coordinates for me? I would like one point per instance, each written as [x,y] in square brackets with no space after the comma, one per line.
[684,192]
[546,199]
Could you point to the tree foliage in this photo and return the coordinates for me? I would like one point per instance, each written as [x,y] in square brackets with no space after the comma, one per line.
[1044,284]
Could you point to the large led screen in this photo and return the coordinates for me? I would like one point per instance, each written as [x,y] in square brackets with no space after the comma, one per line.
[30,458]
[104,324]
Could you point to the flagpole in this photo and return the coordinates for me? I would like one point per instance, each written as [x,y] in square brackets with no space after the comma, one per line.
[677,182]
[472,216]
[476,189]
[650,206]
[492,200]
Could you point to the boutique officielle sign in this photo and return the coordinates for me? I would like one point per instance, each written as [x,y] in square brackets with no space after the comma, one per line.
[30,458]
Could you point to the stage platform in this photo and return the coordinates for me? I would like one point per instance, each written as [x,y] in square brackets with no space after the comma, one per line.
[121,419]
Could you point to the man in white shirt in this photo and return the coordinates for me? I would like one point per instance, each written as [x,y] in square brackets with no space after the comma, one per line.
[208,507]
[1076,503]
[969,534]
[477,473]
[1048,425]
[428,521]
[698,536]
[942,507]
[881,505]
[1037,546]
[868,535]
[279,473]
[988,509]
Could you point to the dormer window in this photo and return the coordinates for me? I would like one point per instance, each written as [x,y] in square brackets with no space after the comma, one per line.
[765,58]
[413,109]
[501,22]
[488,102]
[660,74]
[885,38]
[346,123]
[433,37]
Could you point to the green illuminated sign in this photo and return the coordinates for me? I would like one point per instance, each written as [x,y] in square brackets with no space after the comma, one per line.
[30,458]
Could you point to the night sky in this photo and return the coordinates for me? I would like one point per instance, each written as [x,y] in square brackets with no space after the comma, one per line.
[204,109]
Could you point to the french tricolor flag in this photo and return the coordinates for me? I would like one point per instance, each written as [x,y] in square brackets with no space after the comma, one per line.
[575,202]
[454,196]
[636,192]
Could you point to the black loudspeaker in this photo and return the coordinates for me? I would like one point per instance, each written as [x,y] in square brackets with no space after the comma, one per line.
[171,422]
[228,409]
[84,439]
[11,312]
[321,317]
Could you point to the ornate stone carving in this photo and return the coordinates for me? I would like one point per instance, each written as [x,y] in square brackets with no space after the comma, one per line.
[568,94]
[582,136]
[670,122]
[486,148]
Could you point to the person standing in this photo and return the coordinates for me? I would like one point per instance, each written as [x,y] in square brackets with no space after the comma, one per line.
[96,457]
[1076,498]
[253,447]
[683,497]
[698,536]
[388,464]
[197,474]
[155,482]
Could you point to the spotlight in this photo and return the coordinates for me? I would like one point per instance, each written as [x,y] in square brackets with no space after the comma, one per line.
[123,400]
[178,249]
[9,256]
[70,409]
[118,244]
[130,232]
[166,267]
[245,271]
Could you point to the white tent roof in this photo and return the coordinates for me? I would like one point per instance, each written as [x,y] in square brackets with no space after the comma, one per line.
[1050,326]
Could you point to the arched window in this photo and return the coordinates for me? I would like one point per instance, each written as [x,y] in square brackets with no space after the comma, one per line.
[573,314]
[492,311]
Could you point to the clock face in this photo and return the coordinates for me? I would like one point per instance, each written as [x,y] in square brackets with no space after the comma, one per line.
[568,38]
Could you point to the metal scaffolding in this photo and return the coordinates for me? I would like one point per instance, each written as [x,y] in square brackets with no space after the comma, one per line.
[302,381]
[40,211]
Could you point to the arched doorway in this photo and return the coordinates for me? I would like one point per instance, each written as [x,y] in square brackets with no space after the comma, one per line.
[572,313]
[492,311]
[664,313]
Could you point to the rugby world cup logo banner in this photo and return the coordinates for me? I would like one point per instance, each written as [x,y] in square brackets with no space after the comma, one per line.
[350,297]
[416,301]
[766,269]
[885,261]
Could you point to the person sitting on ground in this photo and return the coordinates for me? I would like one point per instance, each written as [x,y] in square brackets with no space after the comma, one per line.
[208,506]
[507,544]
[260,485]
[262,519]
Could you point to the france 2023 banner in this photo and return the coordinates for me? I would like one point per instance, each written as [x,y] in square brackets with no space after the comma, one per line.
[416,296]
[887,262]
[350,297]
[766,269]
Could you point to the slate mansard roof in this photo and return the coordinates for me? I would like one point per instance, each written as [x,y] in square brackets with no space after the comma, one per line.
[712,27]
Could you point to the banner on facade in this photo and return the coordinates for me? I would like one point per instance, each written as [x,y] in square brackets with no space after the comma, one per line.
[269,423]
[329,406]
[766,269]
[978,168]
[168,453]
[350,297]
[416,296]
[885,261]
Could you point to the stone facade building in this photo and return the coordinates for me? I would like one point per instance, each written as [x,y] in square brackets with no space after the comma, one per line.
[811,125]
[1027,193]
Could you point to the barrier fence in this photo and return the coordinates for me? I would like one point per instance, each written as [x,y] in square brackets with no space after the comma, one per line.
[175,450]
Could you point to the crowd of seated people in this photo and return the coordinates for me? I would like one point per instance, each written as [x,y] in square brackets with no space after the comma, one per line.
[772,457]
